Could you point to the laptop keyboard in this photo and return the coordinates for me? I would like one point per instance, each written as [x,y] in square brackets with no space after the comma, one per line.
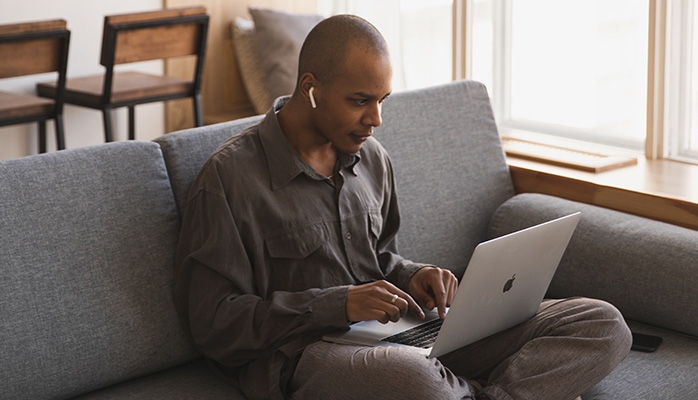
[423,335]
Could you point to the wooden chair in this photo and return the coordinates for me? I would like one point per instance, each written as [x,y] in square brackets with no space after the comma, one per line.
[129,38]
[33,48]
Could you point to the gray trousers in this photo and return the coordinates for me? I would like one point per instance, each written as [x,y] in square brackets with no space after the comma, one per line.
[566,348]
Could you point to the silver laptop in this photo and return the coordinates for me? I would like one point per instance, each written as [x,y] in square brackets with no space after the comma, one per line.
[502,286]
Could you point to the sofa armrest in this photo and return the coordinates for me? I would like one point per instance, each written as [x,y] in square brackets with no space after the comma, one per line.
[645,268]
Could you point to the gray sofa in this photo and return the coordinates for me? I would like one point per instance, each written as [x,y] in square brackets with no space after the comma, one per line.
[87,238]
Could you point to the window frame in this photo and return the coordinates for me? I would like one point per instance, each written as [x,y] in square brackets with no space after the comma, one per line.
[679,80]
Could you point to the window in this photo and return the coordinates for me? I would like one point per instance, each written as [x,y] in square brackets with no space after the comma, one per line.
[615,72]
[574,68]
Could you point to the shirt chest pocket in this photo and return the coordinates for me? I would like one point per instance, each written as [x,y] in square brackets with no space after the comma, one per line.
[298,243]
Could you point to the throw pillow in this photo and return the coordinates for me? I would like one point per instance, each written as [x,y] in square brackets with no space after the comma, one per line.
[279,36]
[249,65]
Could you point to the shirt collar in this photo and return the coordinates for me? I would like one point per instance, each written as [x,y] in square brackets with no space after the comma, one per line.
[349,161]
[283,160]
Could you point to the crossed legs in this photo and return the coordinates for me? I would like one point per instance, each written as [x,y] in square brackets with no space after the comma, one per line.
[566,348]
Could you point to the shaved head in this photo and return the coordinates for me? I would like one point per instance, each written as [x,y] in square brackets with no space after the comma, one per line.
[327,45]
[344,76]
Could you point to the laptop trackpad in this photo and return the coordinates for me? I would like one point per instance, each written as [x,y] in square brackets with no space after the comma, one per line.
[370,333]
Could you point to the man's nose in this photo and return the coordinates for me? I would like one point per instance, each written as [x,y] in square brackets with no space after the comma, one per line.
[373,115]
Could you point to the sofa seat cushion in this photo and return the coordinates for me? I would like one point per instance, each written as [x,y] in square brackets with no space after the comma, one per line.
[668,373]
[194,380]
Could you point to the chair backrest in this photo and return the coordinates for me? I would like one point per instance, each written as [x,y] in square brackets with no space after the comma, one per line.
[154,35]
[33,48]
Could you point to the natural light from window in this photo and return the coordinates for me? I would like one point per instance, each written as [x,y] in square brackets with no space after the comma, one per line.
[570,67]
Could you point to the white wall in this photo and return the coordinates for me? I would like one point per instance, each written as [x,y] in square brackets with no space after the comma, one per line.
[83,126]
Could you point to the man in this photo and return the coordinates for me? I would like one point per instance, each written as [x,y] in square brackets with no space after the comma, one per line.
[289,232]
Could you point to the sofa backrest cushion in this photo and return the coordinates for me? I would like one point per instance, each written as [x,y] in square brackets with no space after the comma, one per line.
[450,169]
[186,151]
[647,269]
[86,254]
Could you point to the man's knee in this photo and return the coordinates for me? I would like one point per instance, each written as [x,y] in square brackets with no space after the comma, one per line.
[602,321]
[619,334]
[608,317]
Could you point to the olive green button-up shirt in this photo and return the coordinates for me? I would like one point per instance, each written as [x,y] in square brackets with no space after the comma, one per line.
[268,248]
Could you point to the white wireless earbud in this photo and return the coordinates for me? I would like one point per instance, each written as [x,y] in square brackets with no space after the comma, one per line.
[312,99]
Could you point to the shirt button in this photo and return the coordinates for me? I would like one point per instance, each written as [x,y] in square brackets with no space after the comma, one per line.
[348,235]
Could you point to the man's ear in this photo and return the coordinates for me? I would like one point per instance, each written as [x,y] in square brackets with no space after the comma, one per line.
[306,82]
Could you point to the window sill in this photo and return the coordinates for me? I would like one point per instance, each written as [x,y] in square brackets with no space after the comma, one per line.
[658,189]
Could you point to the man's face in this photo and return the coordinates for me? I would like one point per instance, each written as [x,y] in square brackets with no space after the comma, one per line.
[350,107]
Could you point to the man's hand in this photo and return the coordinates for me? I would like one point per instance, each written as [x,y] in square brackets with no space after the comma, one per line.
[434,287]
[381,301]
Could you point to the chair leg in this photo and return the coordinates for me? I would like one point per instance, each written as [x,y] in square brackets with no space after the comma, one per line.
[198,112]
[131,122]
[106,113]
[42,136]
[60,137]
